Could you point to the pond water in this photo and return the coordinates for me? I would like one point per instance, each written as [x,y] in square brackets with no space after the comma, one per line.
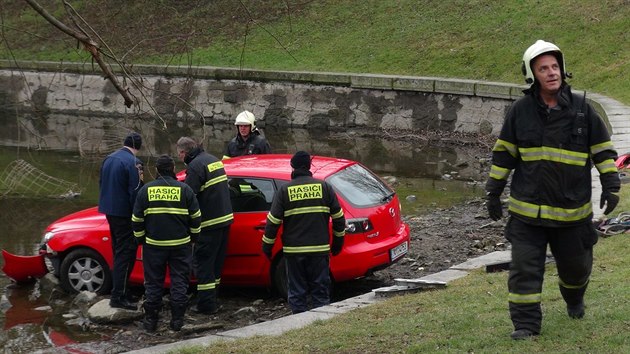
[33,320]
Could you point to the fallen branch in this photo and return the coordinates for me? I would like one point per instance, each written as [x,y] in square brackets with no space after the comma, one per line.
[89,45]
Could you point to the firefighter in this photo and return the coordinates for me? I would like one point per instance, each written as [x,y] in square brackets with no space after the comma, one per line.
[549,138]
[206,176]
[166,219]
[304,206]
[248,140]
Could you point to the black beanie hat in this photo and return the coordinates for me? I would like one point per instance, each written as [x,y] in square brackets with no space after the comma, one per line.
[165,165]
[301,159]
[133,140]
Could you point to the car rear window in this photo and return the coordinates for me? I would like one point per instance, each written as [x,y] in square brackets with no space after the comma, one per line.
[360,187]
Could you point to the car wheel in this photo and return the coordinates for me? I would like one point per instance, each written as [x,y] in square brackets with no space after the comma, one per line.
[85,270]
[279,277]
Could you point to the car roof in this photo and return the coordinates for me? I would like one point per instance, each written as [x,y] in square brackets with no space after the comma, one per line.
[278,166]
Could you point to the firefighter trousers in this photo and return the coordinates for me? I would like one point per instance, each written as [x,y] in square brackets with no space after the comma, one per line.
[572,249]
[210,251]
[308,275]
[179,262]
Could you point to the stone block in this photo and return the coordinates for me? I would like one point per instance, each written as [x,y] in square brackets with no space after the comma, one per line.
[410,83]
[286,76]
[278,326]
[479,262]
[493,89]
[324,78]
[384,82]
[517,91]
[446,275]
[454,86]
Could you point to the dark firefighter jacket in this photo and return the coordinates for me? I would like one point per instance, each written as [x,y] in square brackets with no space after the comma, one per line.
[166,213]
[304,206]
[551,152]
[206,176]
[255,144]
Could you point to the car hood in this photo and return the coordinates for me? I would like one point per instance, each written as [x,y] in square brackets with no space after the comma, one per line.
[85,219]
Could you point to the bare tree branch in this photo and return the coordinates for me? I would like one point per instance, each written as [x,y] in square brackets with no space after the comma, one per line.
[89,45]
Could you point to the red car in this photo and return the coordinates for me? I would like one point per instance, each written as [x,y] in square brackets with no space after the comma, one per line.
[79,247]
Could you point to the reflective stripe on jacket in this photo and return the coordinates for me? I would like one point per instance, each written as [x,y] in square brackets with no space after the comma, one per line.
[206,176]
[551,152]
[166,213]
[304,207]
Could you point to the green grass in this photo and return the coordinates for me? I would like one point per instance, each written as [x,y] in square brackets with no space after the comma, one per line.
[470,39]
[470,316]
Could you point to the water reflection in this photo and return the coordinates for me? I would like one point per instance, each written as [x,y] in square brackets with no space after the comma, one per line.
[29,319]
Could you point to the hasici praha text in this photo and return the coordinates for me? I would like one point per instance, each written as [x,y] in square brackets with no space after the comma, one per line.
[305,191]
[165,193]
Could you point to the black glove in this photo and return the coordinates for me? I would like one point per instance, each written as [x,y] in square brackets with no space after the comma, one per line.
[610,200]
[139,241]
[337,245]
[266,248]
[495,210]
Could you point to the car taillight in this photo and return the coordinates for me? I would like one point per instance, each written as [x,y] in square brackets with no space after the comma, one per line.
[355,226]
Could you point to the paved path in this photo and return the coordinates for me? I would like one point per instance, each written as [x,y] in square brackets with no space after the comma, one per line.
[618,116]
[619,119]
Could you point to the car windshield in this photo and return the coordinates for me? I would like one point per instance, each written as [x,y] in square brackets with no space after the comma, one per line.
[360,187]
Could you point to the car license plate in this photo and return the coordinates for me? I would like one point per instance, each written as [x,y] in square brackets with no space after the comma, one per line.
[398,251]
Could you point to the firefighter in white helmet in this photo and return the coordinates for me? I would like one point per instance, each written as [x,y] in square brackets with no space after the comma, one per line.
[550,139]
[248,140]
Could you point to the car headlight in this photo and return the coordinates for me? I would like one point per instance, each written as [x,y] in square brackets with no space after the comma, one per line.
[48,236]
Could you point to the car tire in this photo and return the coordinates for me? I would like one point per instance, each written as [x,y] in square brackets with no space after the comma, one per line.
[85,270]
[279,277]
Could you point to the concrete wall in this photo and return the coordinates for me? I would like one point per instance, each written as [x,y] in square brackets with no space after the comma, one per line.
[40,97]
[333,101]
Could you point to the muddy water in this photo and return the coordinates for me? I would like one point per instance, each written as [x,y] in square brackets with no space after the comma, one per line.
[33,319]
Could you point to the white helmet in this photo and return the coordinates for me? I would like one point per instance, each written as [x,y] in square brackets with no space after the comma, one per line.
[536,49]
[246,118]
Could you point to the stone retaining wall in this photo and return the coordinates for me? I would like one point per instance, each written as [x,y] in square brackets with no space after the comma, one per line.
[183,97]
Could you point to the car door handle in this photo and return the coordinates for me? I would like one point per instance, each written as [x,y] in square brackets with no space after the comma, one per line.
[261,226]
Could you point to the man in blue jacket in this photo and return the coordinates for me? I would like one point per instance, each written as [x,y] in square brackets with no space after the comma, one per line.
[118,185]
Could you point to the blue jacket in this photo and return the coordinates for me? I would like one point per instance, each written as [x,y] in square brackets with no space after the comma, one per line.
[119,183]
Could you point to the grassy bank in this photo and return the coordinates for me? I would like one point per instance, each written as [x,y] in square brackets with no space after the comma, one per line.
[470,316]
[481,39]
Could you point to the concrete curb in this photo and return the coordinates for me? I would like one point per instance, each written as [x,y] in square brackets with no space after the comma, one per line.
[284,324]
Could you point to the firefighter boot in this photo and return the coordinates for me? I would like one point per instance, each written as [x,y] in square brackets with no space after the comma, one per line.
[151,315]
[177,317]
[576,311]
[521,334]
[574,299]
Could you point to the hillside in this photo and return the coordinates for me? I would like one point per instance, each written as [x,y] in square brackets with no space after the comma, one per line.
[481,39]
